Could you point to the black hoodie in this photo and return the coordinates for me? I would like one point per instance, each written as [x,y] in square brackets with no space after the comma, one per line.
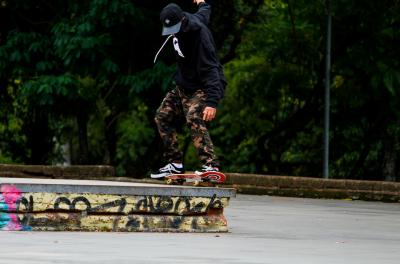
[200,67]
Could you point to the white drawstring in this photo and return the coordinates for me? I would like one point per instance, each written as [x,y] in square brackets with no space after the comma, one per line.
[176,47]
[165,42]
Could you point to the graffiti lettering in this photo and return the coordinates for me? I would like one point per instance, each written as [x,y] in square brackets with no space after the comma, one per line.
[51,211]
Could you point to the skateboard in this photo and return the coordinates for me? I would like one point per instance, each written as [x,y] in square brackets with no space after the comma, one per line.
[209,178]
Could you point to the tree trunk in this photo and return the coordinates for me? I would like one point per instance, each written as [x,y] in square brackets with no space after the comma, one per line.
[39,137]
[111,139]
[83,156]
[389,160]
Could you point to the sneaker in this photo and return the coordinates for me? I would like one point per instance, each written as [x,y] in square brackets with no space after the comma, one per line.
[206,168]
[167,170]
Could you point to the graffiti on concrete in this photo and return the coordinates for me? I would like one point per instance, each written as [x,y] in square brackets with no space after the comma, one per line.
[51,211]
[74,221]
[118,204]
[9,197]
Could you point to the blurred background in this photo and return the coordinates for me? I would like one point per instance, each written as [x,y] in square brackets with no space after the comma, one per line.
[78,85]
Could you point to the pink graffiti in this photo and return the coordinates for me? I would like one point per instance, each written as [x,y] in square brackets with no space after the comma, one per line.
[11,194]
[13,224]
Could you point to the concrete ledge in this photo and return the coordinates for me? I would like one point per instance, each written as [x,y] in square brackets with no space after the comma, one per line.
[245,183]
[112,187]
[306,187]
[72,205]
[314,187]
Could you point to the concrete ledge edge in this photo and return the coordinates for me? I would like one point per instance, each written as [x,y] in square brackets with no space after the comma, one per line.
[309,187]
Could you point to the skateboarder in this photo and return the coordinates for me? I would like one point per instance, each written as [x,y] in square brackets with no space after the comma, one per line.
[200,84]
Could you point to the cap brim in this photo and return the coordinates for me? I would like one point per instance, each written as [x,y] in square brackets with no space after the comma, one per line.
[171,30]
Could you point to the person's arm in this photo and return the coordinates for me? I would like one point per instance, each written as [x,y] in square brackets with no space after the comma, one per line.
[208,70]
[203,14]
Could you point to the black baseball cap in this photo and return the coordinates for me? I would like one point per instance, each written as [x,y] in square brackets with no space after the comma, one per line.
[171,18]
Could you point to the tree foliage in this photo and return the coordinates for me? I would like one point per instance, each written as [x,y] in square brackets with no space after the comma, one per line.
[77,80]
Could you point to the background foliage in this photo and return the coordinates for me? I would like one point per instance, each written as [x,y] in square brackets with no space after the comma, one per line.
[77,84]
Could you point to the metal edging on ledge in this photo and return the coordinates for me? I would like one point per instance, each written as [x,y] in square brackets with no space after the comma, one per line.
[148,189]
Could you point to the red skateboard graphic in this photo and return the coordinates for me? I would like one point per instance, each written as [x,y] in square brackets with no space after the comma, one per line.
[211,177]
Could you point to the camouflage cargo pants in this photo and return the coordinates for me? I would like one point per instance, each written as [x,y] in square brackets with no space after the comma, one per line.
[175,106]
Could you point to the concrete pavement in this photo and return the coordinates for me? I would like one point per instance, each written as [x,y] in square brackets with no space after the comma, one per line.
[263,229]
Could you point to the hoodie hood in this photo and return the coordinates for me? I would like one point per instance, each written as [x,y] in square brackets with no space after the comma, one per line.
[190,23]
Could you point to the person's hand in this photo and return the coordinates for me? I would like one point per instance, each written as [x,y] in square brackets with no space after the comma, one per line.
[198,1]
[209,113]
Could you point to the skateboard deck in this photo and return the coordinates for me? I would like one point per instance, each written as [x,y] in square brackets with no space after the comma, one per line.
[205,178]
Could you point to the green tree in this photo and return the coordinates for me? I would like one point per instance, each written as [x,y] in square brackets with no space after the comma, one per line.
[82,73]
[276,84]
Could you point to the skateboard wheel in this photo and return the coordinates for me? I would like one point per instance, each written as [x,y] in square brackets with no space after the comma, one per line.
[170,181]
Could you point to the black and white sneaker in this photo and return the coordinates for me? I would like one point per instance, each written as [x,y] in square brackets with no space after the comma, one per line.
[167,170]
[207,168]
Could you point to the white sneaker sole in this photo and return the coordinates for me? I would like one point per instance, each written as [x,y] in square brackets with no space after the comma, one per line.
[163,175]
[158,176]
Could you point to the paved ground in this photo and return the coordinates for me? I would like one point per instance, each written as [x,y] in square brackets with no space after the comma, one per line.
[263,230]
